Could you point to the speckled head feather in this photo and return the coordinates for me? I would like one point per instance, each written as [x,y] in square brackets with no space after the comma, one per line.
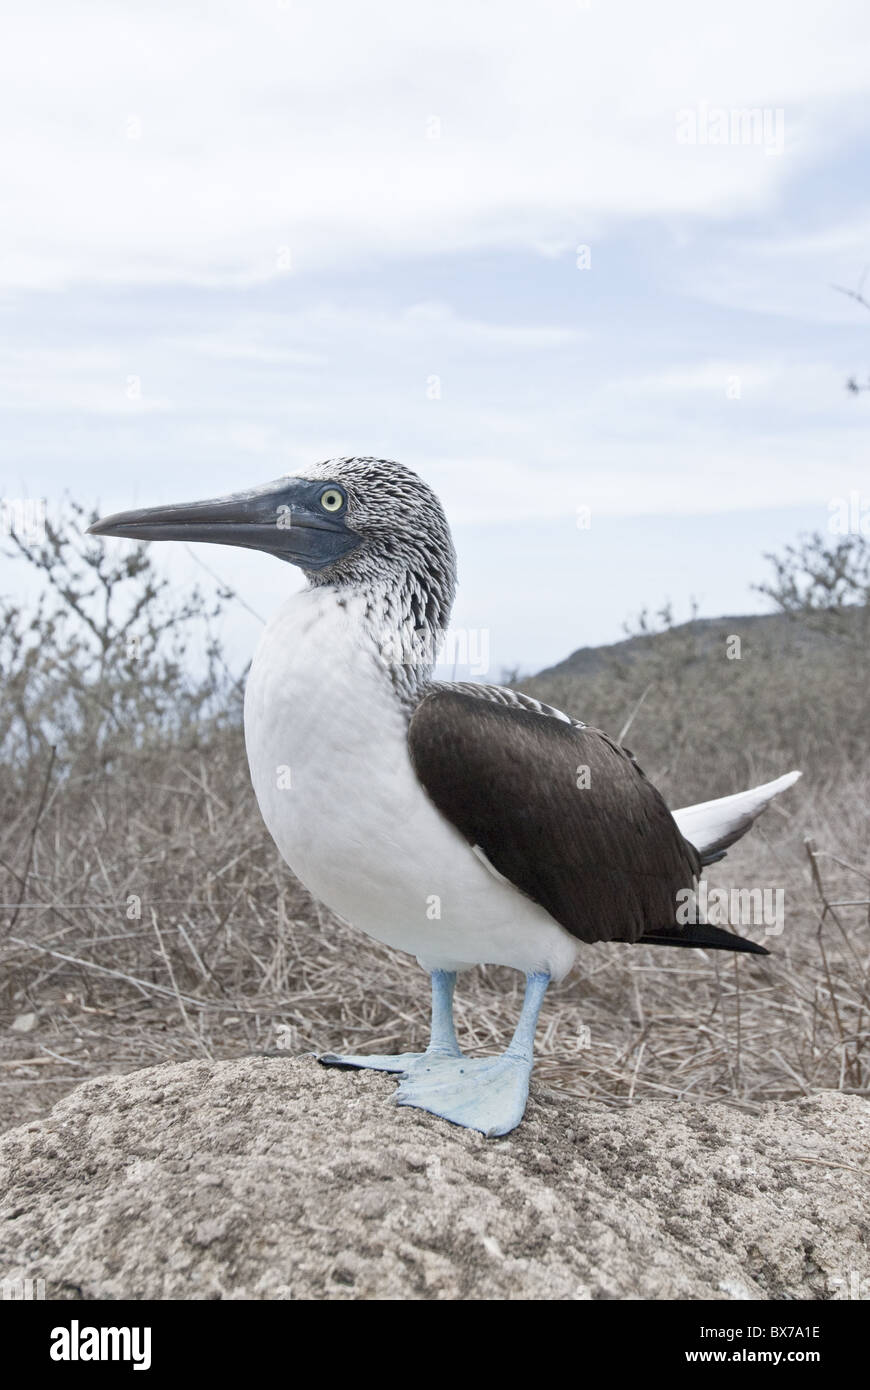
[405,560]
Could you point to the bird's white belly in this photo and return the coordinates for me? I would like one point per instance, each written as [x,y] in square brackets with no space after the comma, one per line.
[327,748]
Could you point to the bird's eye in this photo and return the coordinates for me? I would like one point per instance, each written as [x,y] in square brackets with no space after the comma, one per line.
[331,500]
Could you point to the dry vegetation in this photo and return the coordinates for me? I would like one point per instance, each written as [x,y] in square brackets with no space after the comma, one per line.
[125,790]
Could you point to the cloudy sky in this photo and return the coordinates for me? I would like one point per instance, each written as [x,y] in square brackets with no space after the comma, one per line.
[529,250]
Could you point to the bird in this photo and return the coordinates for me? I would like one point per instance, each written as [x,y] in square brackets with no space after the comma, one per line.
[463,823]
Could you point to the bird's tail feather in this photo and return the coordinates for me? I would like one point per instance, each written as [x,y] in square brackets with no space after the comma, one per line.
[713,826]
[704,935]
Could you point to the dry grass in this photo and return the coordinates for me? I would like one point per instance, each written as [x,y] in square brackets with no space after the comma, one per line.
[229,954]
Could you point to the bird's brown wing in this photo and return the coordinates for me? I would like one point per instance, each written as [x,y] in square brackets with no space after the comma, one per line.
[563,812]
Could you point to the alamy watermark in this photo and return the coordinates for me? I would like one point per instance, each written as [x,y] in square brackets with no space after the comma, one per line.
[761,126]
[427,647]
[849,516]
[22,1290]
[851,1286]
[737,907]
[77,1343]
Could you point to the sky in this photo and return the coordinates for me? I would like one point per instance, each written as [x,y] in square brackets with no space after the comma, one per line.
[533,251]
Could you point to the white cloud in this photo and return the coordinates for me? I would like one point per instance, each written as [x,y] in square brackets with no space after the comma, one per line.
[709,378]
[193,143]
[798,387]
[531,424]
[295,347]
[78,380]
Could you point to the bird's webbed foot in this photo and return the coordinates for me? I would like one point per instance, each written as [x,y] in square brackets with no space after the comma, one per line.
[396,1062]
[484,1093]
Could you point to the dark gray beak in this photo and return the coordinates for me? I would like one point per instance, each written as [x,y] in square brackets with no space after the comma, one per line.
[286,518]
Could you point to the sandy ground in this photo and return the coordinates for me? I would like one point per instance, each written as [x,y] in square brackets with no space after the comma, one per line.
[272,1177]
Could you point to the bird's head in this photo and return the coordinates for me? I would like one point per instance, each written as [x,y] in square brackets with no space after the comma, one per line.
[348,522]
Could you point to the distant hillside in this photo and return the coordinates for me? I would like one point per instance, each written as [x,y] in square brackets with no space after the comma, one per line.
[773,630]
[709,714]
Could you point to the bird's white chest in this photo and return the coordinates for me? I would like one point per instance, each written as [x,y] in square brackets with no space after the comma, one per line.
[327,747]
[324,739]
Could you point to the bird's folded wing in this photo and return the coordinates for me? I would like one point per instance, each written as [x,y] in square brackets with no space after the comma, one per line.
[558,809]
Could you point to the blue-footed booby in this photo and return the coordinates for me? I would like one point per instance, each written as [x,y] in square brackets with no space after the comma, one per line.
[445,819]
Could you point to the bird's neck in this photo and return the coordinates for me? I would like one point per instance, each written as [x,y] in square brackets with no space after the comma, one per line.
[403,621]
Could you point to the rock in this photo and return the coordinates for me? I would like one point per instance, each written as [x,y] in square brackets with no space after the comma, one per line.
[273,1177]
[24,1023]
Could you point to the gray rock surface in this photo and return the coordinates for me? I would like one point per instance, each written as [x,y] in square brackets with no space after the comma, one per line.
[272,1177]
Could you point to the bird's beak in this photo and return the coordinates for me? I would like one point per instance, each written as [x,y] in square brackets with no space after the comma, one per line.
[284,518]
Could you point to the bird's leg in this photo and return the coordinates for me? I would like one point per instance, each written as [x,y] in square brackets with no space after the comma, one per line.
[442,1042]
[485,1093]
[442,1038]
[522,1044]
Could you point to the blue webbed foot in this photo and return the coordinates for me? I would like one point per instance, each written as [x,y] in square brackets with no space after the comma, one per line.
[443,1042]
[397,1062]
[400,1062]
[485,1093]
